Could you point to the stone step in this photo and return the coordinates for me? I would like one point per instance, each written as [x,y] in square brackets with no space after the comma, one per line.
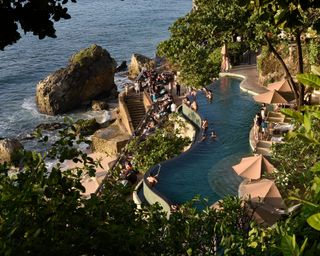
[136,108]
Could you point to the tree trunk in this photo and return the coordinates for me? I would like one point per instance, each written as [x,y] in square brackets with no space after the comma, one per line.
[300,68]
[292,84]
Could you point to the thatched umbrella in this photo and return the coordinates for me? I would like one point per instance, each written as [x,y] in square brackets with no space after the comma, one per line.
[273,97]
[253,166]
[262,191]
[280,86]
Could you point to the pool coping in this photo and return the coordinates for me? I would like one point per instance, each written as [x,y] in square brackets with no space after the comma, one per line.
[145,186]
[253,89]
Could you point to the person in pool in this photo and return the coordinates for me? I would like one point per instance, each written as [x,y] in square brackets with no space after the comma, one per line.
[205,124]
[213,135]
[203,138]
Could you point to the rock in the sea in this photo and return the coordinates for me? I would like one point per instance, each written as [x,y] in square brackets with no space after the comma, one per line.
[97,105]
[50,126]
[86,127]
[139,61]
[89,74]
[9,149]
[122,67]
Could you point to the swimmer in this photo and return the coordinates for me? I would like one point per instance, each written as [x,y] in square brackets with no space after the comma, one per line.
[213,135]
[203,137]
[152,180]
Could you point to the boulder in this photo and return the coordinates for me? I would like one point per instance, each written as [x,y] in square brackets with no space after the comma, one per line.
[98,105]
[89,75]
[122,67]
[9,150]
[139,61]
[50,126]
[86,127]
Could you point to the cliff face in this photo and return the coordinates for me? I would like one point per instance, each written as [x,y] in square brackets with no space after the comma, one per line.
[89,74]
[270,69]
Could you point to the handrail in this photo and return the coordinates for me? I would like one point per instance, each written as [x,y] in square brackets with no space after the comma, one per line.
[124,150]
[166,204]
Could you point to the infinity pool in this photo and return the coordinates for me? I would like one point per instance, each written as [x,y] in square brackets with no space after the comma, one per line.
[206,169]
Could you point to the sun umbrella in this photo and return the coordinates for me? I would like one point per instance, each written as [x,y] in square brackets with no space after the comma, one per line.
[262,191]
[271,97]
[263,215]
[280,86]
[252,167]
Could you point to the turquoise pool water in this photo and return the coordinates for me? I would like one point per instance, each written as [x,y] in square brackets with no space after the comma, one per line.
[206,169]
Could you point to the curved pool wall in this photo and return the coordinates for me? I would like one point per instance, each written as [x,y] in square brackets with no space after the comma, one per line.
[206,169]
[150,193]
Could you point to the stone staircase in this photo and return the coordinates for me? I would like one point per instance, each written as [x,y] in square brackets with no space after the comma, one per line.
[136,108]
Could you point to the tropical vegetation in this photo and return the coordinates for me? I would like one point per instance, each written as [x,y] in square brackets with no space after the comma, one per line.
[37,17]
[196,38]
[42,211]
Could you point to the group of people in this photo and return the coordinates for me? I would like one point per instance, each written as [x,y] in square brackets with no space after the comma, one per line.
[204,127]
[128,173]
[156,82]
[160,87]
[260,124]
[208,93]
[163,105]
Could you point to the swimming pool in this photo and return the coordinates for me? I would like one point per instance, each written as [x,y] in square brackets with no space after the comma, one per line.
[206,169]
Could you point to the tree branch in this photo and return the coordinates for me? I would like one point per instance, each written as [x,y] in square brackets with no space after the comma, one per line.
[292,84]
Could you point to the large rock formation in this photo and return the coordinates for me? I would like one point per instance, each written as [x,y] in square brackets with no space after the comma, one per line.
[89,74]
[139,61]
[9,149]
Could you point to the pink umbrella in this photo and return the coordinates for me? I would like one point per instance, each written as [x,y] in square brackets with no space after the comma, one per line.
[253,166]
[280,86]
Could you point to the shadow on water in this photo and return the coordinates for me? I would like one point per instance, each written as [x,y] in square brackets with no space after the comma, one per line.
[206,170]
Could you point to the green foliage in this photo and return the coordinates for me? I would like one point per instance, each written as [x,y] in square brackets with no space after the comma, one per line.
[196,40]
[289,246]
[86,127]
[314,52]
[162,145]
[83,55]
[301,153]
[309,80]
[314,221]
[37,17]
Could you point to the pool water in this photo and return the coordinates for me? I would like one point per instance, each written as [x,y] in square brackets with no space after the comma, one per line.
[206,169]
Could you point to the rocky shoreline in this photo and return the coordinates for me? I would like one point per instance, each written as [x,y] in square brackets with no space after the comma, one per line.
[87,81]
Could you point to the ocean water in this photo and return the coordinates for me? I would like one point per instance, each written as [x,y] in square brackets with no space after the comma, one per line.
[122,27]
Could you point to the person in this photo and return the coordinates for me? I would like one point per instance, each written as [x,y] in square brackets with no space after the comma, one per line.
[137,87]
[194,106]
[257,125]
[152,180]
[126,88]
[264,126]
[203,137]
[205,124]
[209,94]
[178,87]
[174,207]
[213,135]
[263,111]
[173,107]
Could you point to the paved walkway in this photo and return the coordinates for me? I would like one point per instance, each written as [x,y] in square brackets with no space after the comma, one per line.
[250,75]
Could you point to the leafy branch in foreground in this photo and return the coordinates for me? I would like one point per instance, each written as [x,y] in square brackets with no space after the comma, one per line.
[37,17]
